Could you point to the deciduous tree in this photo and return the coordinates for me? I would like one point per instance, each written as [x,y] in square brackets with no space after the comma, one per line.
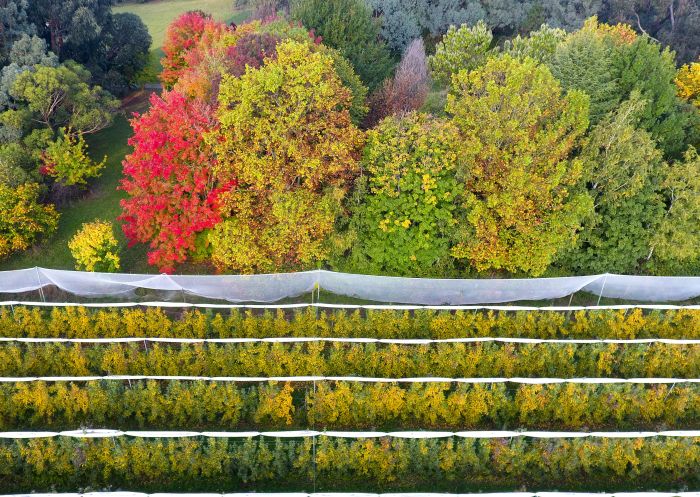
[518,131]
[461,48]
[168,177]
[404,221]
[407,90]
[688,83]
[182,35]
[286,136]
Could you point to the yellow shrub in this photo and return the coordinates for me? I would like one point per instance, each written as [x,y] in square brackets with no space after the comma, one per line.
[95,248]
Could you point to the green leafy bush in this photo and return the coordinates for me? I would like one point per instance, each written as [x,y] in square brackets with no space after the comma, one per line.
[384,464]
[451,360]
[81,322]
[404,222]
[335,405]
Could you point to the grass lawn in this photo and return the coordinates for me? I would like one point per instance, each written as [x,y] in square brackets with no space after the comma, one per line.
[158,14]
[101,203]
[103,200]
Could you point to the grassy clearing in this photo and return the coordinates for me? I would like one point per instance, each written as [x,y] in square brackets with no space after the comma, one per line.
[101,203]
[157,15]
[103,199]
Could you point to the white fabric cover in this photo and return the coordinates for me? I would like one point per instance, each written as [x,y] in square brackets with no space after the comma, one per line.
[359,379]
[102,433]
[358,494]
[397,341]
[274,287]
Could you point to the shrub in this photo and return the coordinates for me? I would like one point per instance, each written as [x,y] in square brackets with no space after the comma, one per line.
[23,220]
[449,360]
[66,160]
[408,89]
[405,220]
[331,405]
[80,322]
[95,248]
[374,464]
[463,48]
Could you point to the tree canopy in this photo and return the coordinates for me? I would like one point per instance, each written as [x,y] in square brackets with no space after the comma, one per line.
[519,131]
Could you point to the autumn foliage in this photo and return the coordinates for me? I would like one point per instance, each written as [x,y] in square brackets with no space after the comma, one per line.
[183,35]
[172,194]
[287,137]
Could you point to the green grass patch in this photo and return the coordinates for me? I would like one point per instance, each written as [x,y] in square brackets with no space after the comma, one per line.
[102,202]
[157,15]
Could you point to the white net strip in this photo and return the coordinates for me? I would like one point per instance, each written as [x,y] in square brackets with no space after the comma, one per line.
[274,287]
[321,305]
[358,494]
[107,433]
[394,341]
[357,379]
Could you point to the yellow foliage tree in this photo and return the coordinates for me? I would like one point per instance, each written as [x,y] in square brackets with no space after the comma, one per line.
[287,139]
[95,247]
[688,83]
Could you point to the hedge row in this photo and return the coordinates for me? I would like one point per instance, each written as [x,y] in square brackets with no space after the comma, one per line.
[450,360]
[198,405]
[386,464]
[81,322]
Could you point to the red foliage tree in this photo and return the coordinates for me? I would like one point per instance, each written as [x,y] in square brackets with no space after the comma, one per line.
[183,34]
[251,50]
[172,195]
[407,90]
[209,60]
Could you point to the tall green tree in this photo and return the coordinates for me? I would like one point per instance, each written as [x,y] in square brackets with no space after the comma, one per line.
[675,245]
[70,25]
[403,219]
[584,61]
[647,67]
[13,24]
[623,169]
[348,26]
[518,131]
[53,97]
[609,63]
[112,47]
[123,52]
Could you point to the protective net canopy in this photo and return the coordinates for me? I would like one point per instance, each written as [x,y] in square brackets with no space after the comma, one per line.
[267,288]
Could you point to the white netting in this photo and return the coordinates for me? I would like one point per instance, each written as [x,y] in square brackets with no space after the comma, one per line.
[358,379]
[362,494]
[394,341]
[274,287]
[107,433]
